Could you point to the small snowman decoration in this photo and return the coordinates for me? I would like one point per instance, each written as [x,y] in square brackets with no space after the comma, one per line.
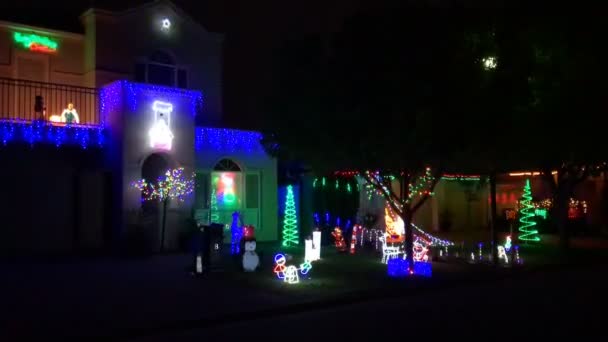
[251,261]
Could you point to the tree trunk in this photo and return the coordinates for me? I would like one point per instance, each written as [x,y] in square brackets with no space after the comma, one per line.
[493,219]
[409,237]
[561,217]
[162,228]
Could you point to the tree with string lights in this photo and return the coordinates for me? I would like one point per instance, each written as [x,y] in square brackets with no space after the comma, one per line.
[173,185]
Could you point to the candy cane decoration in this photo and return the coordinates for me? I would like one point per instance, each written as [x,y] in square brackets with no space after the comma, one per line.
[353,239]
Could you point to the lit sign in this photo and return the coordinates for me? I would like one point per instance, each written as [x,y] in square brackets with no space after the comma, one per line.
[160,133]
[34,42]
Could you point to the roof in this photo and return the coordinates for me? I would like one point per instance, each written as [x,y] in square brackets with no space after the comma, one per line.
[65,15]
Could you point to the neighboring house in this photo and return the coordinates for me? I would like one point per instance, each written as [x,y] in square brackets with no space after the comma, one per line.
[146,85]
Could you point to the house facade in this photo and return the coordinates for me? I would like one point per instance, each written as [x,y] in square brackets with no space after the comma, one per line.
[83,116]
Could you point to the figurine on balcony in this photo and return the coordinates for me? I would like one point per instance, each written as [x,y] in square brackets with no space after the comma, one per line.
[70,115]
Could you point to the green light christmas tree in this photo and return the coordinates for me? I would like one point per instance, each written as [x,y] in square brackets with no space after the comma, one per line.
[290,220]
[526,213]
[215,217]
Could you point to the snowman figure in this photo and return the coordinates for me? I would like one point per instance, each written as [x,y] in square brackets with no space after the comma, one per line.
[251,261]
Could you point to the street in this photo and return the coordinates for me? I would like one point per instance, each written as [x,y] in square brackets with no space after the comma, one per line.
[551,304]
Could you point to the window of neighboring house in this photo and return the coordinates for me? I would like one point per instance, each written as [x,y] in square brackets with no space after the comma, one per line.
[160,68]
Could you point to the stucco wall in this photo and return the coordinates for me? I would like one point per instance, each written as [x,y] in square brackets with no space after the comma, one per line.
[129,121]
[255,161]
[122,39]
[54,201]
[65,66]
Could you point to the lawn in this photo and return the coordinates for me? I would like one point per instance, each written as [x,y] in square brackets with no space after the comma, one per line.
[343,274]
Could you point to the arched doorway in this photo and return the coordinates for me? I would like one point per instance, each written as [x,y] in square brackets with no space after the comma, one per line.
[226,191]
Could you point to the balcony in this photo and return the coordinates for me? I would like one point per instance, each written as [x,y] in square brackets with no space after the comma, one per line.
[31,112]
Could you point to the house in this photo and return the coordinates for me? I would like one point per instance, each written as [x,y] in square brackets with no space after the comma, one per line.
[83,115]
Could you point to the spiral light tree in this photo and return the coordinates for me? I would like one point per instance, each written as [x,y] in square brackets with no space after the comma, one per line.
[526,214]
[290,220]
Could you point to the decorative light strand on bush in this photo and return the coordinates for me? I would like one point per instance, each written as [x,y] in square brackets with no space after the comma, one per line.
[173,185]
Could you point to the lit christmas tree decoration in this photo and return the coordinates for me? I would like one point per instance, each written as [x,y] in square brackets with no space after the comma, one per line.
[290,220]
[215,216]
[526,223]
[236,234]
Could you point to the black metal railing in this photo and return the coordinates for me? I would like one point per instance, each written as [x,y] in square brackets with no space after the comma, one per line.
[30,100]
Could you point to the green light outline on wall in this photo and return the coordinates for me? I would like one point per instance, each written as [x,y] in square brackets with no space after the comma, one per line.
[29,39]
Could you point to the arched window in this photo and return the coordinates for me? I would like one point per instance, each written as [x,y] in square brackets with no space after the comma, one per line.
[227,165]
[161,68]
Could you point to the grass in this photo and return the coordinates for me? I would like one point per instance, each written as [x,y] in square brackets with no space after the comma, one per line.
[341,274]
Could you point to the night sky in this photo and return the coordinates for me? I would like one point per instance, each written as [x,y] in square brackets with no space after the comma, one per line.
[254,30]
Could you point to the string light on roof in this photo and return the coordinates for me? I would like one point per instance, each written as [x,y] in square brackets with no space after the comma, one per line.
[41,132]
[229,140]
[458,177]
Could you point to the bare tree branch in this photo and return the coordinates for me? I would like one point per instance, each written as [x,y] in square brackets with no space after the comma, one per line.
[385,194]
[425,197]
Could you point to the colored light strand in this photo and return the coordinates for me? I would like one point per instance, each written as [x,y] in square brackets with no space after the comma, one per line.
[215,216]
[228,140]
[42,132]
[456,177]
[173,185]
[290,220]
[433,240]
[526,232]
[236,234]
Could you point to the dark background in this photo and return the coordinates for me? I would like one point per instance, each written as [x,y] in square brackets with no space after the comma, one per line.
[253,30]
